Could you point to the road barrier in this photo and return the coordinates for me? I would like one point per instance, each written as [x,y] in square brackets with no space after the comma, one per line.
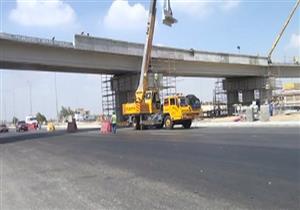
[72,126]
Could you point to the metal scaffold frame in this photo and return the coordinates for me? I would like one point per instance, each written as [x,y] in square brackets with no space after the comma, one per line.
[108,95]
[169,82]
[220,95]
[169,86]
[220,99]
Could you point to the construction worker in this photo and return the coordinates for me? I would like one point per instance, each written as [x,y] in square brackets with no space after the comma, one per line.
[114,122]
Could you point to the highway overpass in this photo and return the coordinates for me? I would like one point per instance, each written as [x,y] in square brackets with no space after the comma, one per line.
[105,56]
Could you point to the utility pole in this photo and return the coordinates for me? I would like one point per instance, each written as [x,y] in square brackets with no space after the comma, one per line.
[1,16]
[14,101]
[5,107]
[56,102]
[30,97]
[1,97]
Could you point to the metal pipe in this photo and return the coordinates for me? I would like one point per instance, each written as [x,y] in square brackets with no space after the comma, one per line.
[282,30]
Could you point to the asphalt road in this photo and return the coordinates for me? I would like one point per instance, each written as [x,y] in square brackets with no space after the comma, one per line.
[206,168]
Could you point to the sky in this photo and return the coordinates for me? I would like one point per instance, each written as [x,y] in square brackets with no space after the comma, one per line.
[216,25]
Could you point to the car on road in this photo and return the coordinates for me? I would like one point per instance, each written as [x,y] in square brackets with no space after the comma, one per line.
[3,128]
[21,126]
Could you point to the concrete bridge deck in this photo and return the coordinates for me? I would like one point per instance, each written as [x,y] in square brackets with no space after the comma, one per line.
[106,56]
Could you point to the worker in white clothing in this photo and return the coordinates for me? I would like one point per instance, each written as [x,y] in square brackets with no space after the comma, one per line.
[114,123]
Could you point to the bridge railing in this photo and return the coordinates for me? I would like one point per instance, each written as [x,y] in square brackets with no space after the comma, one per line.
[34,40]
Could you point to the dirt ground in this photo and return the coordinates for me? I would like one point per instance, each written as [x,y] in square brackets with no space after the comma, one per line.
[285,117]
[281,117]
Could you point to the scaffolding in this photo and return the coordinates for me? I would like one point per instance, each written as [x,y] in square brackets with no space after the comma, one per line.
[108,96]
[279,96]
[278,87]
[168,84]
[220,95]
[219,99]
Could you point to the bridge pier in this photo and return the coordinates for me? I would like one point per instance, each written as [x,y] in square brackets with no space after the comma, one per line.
[247,86]
[124,87]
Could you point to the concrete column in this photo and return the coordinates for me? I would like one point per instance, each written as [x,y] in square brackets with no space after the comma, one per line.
[232,98]
[246,85]
[265,95]
[124,87]
[248,96]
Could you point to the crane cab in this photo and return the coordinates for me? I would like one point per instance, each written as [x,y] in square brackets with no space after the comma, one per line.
[150,105]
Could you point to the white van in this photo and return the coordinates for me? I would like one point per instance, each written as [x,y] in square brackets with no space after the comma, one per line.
[31,120]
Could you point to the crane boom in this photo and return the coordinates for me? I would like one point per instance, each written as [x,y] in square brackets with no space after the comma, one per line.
[169,20]
[283,29]
[140,92]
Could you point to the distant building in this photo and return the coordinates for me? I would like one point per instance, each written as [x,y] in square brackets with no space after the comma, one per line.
[296,60]
[289,96]
[81,114]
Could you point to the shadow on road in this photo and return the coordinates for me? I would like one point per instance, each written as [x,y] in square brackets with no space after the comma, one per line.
[33,136]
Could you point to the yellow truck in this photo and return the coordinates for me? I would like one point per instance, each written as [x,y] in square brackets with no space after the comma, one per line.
[175,110]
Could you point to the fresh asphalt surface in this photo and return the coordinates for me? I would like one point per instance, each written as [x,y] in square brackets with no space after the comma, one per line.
[205,168]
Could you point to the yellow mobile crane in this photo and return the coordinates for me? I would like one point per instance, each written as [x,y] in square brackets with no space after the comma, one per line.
[147,109]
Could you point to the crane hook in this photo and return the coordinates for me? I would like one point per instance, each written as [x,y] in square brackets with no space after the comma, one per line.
[168,19]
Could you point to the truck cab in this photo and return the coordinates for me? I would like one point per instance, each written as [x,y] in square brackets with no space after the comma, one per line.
[178,109]
[175,110]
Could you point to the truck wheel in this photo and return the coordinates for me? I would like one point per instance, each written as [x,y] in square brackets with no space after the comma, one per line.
[187,124]
[168,122]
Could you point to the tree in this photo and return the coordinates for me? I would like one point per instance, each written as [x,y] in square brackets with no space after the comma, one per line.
[15,120]
[41,118]
[65,112]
